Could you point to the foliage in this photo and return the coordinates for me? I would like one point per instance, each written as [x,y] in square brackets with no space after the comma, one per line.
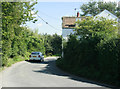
[14,39]
[14,60]
[101,27]
[96,54]
[94,8]
[53,44]
[56,44]
[90,8]
[19,41]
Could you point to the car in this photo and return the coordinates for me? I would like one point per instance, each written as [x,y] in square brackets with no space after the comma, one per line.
[38,56]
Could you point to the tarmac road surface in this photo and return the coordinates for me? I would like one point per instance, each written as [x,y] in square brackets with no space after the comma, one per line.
[44,74]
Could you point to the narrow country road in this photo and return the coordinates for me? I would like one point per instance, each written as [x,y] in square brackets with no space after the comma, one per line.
[46,74]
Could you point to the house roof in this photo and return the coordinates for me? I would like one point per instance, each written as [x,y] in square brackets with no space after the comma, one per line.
[69,22]
[107,15]
[66,21]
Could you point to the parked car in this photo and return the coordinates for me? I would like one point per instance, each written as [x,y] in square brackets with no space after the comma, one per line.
[36,56]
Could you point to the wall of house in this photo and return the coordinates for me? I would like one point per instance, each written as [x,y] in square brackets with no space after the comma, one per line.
[66,33]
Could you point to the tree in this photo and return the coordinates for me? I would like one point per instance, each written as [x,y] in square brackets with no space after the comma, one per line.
[102,27]
[90,8]
[94,8]
[14,14]
[56,44]
[53,44]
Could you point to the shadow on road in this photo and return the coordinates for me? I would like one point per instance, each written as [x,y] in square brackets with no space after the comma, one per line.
[53,70]
[33,61]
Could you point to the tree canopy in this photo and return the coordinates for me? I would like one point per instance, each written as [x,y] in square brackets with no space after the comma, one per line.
[94,8]
[18,40]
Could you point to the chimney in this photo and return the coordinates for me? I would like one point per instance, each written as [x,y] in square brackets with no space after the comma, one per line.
[78,14]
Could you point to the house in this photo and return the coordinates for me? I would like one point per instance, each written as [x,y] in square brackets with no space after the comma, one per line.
[108,15]
[68,24]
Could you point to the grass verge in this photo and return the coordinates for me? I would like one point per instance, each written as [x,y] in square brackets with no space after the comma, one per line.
[13,61]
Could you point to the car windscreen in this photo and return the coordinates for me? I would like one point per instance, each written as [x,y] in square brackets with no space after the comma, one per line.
[35,53]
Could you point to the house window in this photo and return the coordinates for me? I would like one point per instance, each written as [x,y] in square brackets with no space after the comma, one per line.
[70,25]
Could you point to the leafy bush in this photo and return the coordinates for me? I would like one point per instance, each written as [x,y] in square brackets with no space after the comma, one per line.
[18,40]
[53,44]
[96,54]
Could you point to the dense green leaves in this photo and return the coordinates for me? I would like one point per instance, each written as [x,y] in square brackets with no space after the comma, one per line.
[94,8]
[100,27]
[14,14]
[90,8]
[19,41]
[96,53]
[53,44]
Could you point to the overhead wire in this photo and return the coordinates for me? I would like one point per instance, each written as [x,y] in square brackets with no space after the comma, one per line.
[48,23]
[54,18]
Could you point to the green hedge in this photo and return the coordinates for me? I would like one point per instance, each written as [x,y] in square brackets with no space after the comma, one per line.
[87,60]
[96,54]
